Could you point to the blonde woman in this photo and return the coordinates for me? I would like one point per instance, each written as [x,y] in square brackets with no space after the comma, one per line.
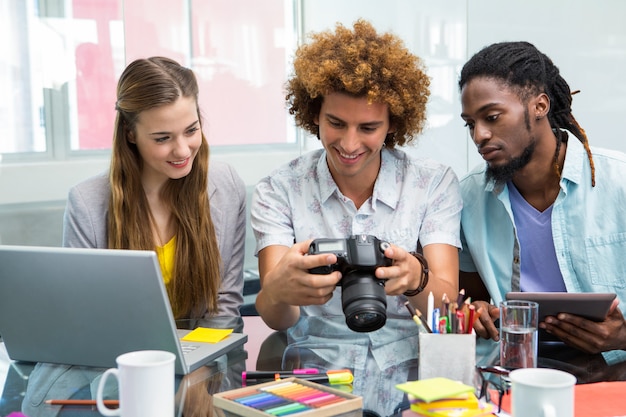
[162,194]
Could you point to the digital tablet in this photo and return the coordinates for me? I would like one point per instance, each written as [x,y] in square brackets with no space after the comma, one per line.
[592,306]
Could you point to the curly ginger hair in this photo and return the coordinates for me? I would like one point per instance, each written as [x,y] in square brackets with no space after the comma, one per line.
[361,63]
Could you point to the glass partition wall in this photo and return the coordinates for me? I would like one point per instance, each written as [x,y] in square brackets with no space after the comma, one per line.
[59,73]
[59,69]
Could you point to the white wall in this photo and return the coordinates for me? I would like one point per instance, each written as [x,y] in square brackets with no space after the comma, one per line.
[50,181]
[585,39]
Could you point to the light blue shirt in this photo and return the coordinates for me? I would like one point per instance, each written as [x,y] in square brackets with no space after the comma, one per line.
[588,227]
[413,199]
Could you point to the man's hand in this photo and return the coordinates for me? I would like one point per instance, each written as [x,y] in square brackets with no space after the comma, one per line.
[487,314]
[290,282]
[586,335]
[405,273]
[401,276]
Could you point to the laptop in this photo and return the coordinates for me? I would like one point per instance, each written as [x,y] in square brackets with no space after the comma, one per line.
[87,306]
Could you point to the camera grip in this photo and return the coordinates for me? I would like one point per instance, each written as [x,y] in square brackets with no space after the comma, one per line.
[322,270]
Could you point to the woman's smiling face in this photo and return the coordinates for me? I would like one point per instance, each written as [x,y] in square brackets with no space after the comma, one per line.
[168,138]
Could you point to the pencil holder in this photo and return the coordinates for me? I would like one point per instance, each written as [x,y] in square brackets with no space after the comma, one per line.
[451,356]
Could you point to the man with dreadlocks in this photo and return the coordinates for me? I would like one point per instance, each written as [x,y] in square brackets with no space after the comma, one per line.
[546,212]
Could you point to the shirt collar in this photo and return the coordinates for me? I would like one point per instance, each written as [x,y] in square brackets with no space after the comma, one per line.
[385,189]
[575,158]
[326,183]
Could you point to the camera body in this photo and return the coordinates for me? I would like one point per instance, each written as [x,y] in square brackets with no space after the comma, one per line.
[363,295]
[360,252]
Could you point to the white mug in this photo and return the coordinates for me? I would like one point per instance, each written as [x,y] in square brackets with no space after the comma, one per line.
[541,392]
[146,385]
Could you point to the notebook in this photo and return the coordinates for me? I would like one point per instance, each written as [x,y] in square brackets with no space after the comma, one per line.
[87,306]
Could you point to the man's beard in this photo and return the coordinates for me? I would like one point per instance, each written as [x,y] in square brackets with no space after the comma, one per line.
[506,172]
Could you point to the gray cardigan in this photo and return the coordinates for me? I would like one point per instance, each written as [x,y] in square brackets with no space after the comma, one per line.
[84,225]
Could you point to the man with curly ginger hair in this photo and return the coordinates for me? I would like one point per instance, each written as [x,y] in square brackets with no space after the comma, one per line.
[362,94]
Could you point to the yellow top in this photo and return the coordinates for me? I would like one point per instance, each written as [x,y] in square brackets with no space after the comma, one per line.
[165,254]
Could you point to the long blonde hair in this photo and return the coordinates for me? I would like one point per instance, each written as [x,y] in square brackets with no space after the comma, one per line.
[193,289]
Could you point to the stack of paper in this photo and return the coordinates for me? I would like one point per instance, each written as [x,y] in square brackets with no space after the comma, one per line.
[442,397]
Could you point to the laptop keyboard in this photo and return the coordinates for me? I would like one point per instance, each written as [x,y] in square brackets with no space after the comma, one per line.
[188,347]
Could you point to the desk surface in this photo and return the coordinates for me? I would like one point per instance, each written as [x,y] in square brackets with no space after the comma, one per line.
[25,387]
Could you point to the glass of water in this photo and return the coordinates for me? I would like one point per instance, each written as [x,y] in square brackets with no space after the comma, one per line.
[518,334]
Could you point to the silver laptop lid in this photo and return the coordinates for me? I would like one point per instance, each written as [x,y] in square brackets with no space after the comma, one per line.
[83,306]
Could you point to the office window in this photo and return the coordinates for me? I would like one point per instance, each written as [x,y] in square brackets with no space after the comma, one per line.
[240,54]
[21,123]
[59,74]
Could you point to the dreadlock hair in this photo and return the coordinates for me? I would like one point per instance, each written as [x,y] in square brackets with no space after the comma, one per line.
[530,72]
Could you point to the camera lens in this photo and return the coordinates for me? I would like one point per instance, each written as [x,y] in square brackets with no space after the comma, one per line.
[364,301]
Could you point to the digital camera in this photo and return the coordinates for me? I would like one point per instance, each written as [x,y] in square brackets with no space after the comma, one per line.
[363,296]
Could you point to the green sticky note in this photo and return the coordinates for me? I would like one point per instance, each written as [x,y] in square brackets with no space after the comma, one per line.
[432,389]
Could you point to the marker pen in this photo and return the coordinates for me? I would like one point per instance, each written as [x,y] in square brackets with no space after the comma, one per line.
[270,374]
[263,376]
[333,377]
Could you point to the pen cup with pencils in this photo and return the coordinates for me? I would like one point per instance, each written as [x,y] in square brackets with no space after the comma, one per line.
[451,356]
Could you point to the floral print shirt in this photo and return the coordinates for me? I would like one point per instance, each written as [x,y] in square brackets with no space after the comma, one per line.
[413,200]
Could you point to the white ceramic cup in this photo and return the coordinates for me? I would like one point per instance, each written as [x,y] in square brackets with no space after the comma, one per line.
[542,392]
[146,385]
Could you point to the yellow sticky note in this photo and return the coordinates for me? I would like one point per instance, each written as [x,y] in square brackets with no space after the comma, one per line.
[432,389]
[483,410]
[207,335]
[465,401]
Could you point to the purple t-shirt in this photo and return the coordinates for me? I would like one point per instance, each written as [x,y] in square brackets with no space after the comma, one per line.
[540,269]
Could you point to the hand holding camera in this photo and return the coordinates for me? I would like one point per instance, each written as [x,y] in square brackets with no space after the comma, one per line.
[363,296]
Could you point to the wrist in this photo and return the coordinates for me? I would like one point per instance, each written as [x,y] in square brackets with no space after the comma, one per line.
[423,275]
